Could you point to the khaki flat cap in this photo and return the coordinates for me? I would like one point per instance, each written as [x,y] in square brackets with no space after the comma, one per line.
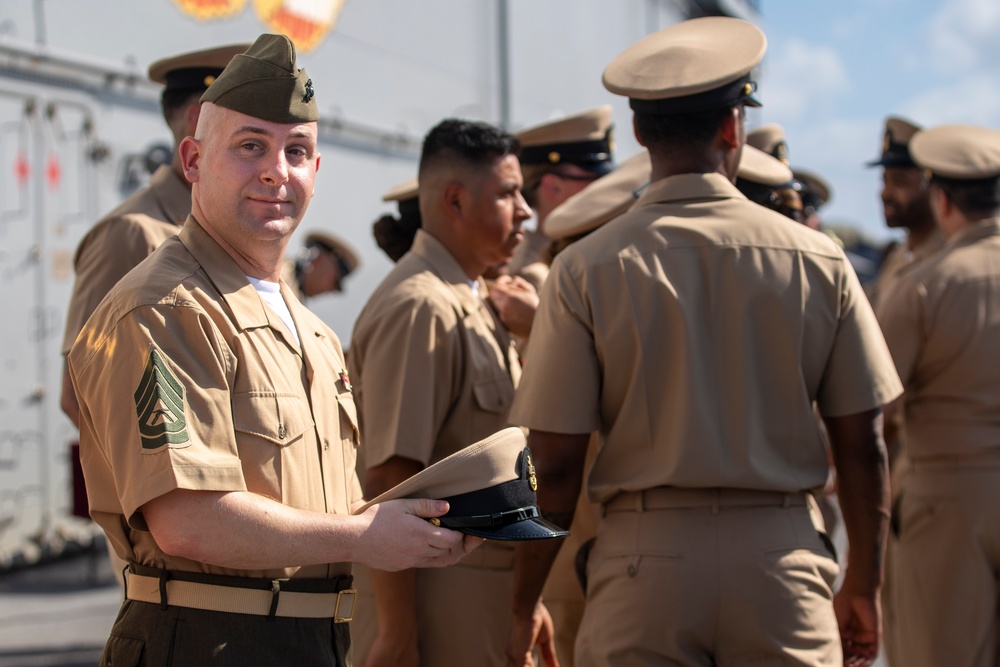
[402,191]
[195,70]
[601,201]
[815,189]
[761,168]
[695,65]
[336,247]
[585,139]
[896,144]
[490,486]
[959,152]
[264,82]
[770,139]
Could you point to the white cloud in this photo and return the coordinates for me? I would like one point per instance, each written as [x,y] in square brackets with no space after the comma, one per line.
[962,35]
[973,99]
[800,78]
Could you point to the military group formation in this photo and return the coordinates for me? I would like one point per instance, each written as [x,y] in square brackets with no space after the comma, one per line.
[678,365]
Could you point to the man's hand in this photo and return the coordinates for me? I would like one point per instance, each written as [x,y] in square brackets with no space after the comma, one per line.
[859,616]
[526,632]
[516,302]
[399,536]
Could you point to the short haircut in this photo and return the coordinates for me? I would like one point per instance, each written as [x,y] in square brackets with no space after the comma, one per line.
[474,142]
[976,199]
[174,101]
[687,132]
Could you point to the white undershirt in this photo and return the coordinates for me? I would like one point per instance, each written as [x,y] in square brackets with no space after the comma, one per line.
[270,293]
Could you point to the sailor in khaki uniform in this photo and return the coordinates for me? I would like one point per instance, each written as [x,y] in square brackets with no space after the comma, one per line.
[321,267]
[559,158]
[906,206]
[942,325]
[136,227]
[432,372]
[218,430]
[770,139]
[695,334]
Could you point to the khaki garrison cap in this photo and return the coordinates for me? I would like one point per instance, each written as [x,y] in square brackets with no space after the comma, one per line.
[601,201]
[490,486]
[958,152]
[770,139]
[264,83]
[335,247]
[695,65]
[759,167]
[584,139]
[196,70]
[896,144]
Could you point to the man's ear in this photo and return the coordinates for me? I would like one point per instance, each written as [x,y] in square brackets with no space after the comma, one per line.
[729,131]
[453,198]
[190,152]
[635,130]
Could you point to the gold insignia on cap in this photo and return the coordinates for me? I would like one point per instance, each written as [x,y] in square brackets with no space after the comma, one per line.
[554,157]
[747,88]
[209,80]
[886,141]
[532,479]
[434,521]
[781,152]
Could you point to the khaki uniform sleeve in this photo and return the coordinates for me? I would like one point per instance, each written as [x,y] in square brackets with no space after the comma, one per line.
[105,255]
[859,375]
[155,409]
[560,387]
[410,371]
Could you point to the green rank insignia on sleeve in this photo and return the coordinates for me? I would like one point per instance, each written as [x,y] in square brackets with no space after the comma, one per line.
[159,404]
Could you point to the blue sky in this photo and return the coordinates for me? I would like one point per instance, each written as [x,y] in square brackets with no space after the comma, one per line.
[835,70]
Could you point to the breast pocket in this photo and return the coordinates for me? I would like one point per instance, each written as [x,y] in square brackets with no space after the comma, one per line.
[493,400]
[276,418]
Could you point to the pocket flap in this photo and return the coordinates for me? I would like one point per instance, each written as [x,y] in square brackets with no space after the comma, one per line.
[278,418]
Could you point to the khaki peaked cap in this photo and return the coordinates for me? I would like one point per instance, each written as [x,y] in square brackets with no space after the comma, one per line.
[335,246]
[816,191]
[601,201]
[695,65]
[490,486]
[759,167]
[585,139]
[264,82]
[770,138]
[960,152]
[402,191]
[194,70]
[896,144]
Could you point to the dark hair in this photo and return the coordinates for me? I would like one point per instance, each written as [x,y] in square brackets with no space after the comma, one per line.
[688,132]
[174,100]
[475,142]
[976,199]
[395,235]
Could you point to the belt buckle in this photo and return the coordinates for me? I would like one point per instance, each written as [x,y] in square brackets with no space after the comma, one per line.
[337,618]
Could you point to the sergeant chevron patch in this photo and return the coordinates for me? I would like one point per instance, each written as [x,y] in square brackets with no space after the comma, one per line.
[159,404]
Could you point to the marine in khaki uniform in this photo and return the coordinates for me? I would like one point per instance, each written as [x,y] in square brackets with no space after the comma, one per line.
[905,204]
[136,227]
[559,158]
[218,429]
[942,326]
[677,332]
[433,371]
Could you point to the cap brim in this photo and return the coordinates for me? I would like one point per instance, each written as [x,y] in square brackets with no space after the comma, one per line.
[752,101]
[600,168]
[529,529]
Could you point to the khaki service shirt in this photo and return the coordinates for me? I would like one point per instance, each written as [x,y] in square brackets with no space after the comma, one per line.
[433,371]
[187,380]
[527,260]
[695,333]
[122,239]
[900,260]
[942,325]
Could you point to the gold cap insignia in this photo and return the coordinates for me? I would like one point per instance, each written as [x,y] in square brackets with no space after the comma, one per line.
[532,479]
[554,157]
[209,80]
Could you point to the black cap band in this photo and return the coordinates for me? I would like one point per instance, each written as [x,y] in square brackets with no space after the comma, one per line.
[579,152]
[895,155]
[192,78]
[739,91]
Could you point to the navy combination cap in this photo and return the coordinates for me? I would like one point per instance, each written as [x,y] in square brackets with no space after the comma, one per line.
[585,140]
[692,66]
[490,487]
[896,144]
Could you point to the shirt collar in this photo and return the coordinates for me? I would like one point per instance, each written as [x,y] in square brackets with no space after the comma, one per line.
[976,231]
[446,267]
[689,186]
[171,193]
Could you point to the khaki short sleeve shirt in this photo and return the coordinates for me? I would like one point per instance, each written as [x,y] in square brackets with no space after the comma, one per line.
[695,334]
[942,325]
[122,239]
[187,380]
[433,371]
[527,260]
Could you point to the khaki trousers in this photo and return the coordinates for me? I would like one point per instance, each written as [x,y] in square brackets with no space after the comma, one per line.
[946,564]
[709,586]
[463,611]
